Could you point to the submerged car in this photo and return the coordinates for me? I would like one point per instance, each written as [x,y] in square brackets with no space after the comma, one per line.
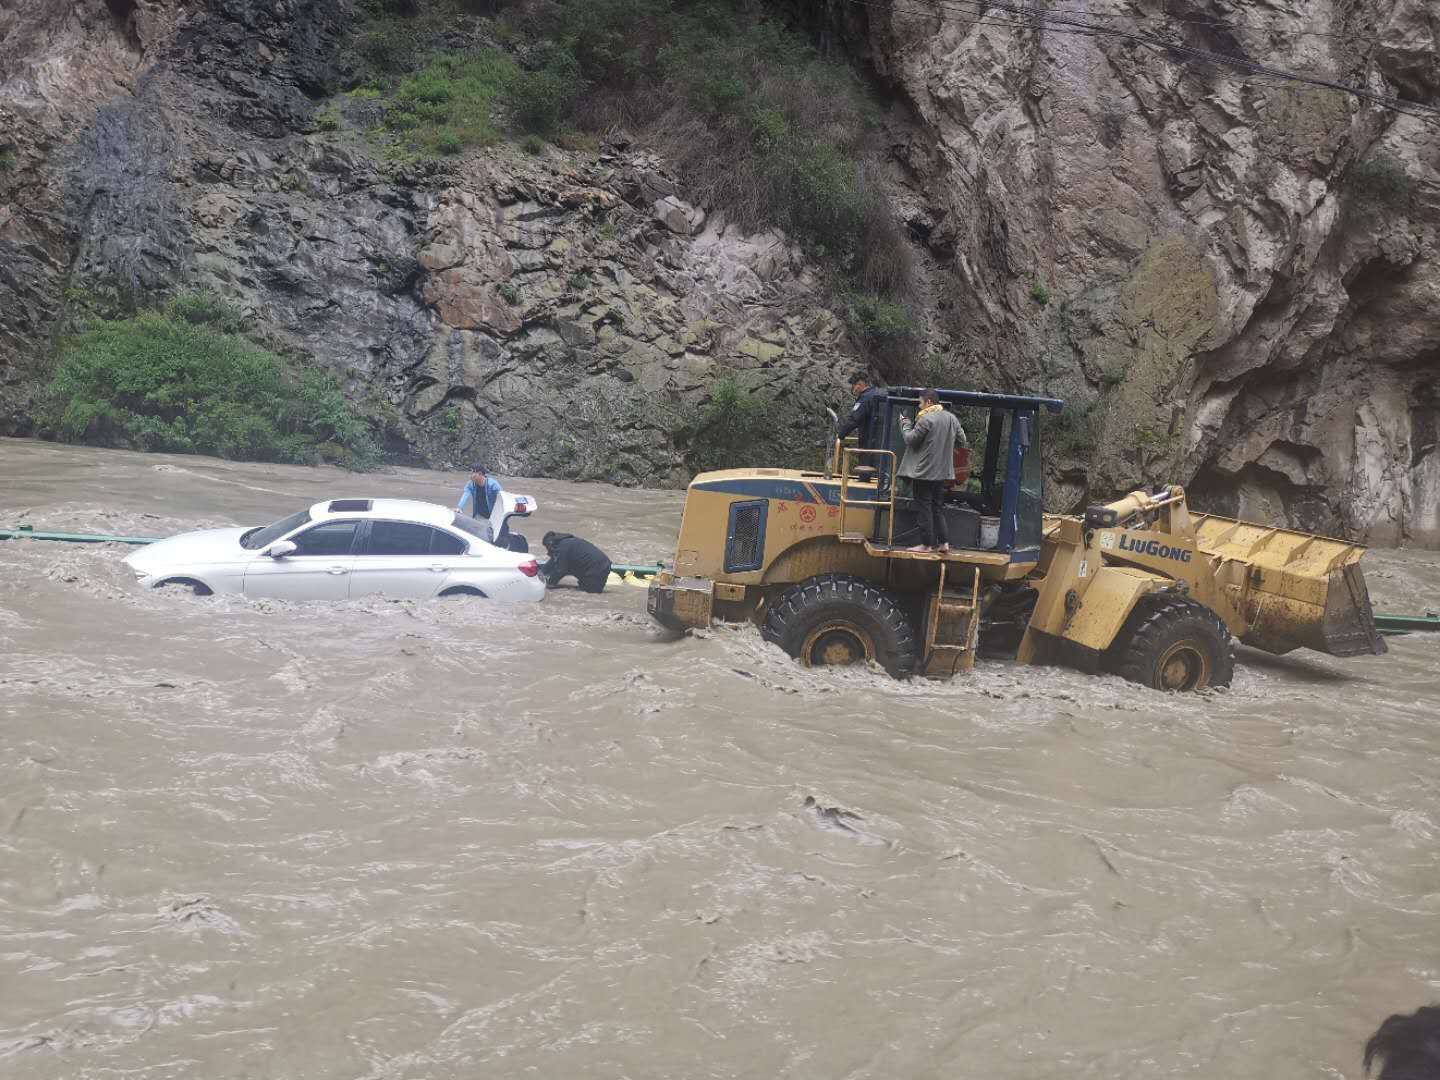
[346,548]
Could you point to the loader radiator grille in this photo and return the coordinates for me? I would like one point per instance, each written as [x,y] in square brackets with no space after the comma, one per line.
[745,538]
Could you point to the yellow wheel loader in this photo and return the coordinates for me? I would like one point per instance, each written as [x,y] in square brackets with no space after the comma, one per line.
[1141,587]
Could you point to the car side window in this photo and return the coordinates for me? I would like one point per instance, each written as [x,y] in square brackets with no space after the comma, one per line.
[442,543]
[330,539]
[399,538]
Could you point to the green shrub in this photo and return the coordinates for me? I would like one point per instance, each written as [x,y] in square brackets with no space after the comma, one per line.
[449,105]
[390,45]
[387,8]
[533,144]
[540,99]
[614,41]
[7,159]
[1039,293]
[769,128]
[328,119]
[181,379]
[875,318]
[728,429]
[578,142]
[509,293]
[1377,184]
[207,309]
[1147,438]
[395,36]
[718,93]
[1072,432]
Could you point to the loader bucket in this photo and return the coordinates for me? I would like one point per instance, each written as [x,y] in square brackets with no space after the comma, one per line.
[1291,589]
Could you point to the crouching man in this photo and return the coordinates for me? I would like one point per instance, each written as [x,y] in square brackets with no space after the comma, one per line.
[572,557]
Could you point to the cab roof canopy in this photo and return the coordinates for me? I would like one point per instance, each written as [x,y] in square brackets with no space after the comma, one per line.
[983,400]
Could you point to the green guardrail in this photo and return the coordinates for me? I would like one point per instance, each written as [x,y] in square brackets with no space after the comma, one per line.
[1390,625]
[26,532]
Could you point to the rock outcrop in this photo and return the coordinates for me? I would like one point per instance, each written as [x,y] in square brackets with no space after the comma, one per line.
[1231,280]
[562,314]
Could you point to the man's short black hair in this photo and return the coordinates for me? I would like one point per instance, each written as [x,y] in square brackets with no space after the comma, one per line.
[929,395]
[860,377]
[545,540]
[480,466]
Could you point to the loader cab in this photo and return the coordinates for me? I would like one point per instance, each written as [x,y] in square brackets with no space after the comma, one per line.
[997,502]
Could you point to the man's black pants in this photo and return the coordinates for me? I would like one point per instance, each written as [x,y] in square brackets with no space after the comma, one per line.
[594,581]
[927,494]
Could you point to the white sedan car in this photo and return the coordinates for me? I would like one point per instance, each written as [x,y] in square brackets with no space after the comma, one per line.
[351,547]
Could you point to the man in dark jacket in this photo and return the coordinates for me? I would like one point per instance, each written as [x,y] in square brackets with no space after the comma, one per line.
[864,415]
[929,461]
[571,556]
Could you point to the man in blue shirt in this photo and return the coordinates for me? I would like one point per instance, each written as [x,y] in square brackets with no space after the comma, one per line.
[865,415]
[480,495]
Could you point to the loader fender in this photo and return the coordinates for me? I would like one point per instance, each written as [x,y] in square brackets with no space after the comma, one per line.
[1106,604]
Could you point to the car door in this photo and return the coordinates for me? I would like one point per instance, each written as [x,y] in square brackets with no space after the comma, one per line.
[403,559]
[318,569]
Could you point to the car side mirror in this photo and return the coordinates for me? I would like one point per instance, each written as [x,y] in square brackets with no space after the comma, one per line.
[280,549]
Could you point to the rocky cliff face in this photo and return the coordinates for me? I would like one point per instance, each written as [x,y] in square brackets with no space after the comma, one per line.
[556,314]
[1232,280]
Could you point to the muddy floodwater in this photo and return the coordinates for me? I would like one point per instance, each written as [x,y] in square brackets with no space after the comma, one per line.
[419,841]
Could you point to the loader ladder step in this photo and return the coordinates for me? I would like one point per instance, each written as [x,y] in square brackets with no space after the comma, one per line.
[952,608]
[954,605]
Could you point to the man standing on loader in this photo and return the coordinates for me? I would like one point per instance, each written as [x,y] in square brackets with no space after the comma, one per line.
[929,461]
[865,412]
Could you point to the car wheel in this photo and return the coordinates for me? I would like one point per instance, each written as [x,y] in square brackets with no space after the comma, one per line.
[199,588]
[462,590]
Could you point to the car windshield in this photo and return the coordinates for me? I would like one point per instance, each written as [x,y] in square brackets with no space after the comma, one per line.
[259,538]
[473,526]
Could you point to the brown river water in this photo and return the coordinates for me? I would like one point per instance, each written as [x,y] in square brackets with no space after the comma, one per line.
[405,840]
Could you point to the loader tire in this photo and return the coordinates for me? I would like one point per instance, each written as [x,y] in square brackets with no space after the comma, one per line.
[1173,643]
[840,619]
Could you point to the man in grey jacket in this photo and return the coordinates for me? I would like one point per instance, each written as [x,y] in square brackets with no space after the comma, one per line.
[930,443]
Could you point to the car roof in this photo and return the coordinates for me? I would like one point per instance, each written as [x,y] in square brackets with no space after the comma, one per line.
[395,509]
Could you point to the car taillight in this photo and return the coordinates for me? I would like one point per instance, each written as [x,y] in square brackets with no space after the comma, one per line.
[530,569]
